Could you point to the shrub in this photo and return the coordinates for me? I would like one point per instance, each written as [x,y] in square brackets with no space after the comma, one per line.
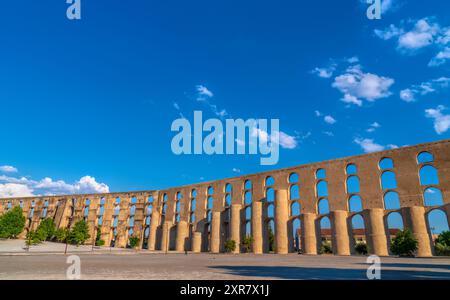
[32,238]
[361,248]
[326,248]
[230,246]
[79,233]
[61,235]
[98,238]
[404,243]
[12,223]
[248,243]
[442,244]
[134,242]
[46,230]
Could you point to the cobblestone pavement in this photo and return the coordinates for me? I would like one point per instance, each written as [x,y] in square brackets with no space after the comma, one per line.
[128,264]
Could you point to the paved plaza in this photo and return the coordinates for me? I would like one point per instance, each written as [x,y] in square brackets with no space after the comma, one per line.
[129,264]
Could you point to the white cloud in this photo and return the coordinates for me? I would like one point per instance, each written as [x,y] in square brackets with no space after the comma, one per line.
[368,145]
[236,170]
[324,72]
[357,85]
[204,95]
[374,126]
[440,58]
[203,92]
[329,120]
[318,113]
[441,121]
[424,33]
[22,187]
[177,107]
[428,87]
[328,133]
[278,137]
[8,169]
[12,190]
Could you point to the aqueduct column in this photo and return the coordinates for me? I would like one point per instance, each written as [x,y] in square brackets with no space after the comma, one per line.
[415,220]
[197,242]
[215,232]
[153,229]
[309,238]
[377,234]
[257,232]
[236,225]
[165,239]
[341,239]
[281,221]
[92,219]
[182,235]
[122,232]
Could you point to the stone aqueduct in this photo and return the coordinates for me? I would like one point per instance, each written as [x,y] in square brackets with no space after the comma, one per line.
[201,217]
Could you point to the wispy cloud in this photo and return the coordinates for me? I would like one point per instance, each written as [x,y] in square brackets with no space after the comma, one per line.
[441,120]
[412,36]
[374,126]
[410,94]
[8,169]
[204,95]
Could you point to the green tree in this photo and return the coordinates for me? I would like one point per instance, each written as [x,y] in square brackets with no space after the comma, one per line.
[79,233]
[32,238]
[134,242]
[271,240]
[326,248]
[230,246]
[442,244]
[404,243]
[98,237]
[248,243]
[12,223]
[61,235]
[361,248]
[46,230]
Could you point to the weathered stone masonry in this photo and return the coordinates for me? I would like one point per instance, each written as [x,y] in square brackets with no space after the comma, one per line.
[201,217]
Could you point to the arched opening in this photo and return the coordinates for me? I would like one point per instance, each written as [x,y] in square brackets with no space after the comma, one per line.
[388,181]
[391,201]
[296,234]
[248,221]
[394,225]
[433,197]
[386,164]
[45,211]
[325,246]
[358,234]
[351,169]
[355,204]
[269,181]
[429,175]
[425,157]
[270,195]
[353,185]
[228,200]
[294,192]
[323,207]
[295,209]
[271,211]
[228,188]
[437,223]
[271,235]
[322,189]
[248,198]
[87,203]
[248,185]
[321,174]
[293,178]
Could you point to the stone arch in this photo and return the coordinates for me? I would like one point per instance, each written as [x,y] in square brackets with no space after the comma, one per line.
[394,223]
[353,186]
[391,200]
[425,157]
[323,207]
[386,163]
[428,175]
[437,222]
[321,174]
[322,189]
[358,231]
[433,197]
[324,232]
[270,181]
[351,169]
[295,209]
[355,204]
[388,180]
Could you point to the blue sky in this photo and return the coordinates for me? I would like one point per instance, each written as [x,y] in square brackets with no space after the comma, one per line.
[95,98]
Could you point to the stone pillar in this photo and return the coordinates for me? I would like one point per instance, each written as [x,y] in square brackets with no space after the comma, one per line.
[309,238]
[182,235]
[165,240]
[236,225]
[341,241]
[281,221]
[377,233]
[215,232]
[257,227]
[153,229]
[197,242]
[418,225]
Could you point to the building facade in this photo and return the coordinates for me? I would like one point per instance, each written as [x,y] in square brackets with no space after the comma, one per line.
[270,206]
